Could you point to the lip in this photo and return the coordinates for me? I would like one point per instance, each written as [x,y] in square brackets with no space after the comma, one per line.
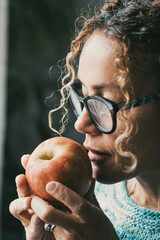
[95,155]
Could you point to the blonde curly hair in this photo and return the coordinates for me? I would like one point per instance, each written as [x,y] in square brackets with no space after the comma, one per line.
[136,26]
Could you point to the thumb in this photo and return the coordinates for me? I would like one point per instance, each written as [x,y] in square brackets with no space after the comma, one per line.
[90,196]
[91,189]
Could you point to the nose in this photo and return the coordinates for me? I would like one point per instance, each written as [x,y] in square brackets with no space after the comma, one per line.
[85,125]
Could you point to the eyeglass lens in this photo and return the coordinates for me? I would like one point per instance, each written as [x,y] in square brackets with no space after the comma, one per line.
[99,111]
[76,103]
[101,114]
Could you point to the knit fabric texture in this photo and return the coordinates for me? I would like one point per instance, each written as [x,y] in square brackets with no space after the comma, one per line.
[131,221]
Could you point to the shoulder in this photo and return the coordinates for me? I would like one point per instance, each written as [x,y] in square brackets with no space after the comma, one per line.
[130,220]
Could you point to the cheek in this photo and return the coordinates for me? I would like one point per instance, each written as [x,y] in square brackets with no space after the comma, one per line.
[139,132]
[145,144]
[148,121]
[142,121]
[122,119]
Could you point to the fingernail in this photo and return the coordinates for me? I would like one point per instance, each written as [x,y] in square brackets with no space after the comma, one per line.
[17,179]
[50,187]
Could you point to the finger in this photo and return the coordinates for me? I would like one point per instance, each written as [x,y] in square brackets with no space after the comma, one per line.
[23,189]
[19,209]
[58,231]
[49,214]
[37,228]
[24,160]
[36,223]
[72,200]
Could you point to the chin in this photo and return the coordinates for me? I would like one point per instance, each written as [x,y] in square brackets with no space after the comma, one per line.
[107,175]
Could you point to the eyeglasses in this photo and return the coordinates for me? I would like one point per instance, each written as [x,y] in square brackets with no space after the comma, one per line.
[102,111]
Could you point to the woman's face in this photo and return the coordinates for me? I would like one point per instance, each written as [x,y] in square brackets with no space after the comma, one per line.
[98,74]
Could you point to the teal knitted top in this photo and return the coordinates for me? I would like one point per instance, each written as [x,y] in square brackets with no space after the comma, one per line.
[131,221]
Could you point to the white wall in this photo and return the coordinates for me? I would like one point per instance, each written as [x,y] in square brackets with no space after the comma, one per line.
[3,74]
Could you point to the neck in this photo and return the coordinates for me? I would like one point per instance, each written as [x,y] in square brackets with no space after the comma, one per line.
[146,191]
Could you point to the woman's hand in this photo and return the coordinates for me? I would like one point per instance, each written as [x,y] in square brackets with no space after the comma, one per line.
[84,222]
[21,209]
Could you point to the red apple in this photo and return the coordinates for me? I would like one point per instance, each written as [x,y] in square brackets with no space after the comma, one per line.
[59,159]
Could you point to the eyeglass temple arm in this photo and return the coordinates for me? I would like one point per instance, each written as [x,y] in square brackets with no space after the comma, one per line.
[140,101]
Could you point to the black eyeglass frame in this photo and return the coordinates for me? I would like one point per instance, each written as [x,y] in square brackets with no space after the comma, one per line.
[112,106]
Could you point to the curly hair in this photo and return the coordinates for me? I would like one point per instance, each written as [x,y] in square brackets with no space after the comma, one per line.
[135,25]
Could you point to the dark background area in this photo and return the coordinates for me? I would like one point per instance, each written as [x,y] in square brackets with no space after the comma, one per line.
[39,33]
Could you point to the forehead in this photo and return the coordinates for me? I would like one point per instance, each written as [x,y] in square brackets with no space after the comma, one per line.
[97,63]
[101,42]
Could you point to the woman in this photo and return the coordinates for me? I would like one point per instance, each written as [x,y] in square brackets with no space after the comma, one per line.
[118,82]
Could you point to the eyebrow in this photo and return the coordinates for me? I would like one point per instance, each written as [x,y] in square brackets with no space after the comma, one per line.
[101,86]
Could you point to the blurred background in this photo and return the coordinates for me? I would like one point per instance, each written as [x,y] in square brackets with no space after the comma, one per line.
[34,36]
